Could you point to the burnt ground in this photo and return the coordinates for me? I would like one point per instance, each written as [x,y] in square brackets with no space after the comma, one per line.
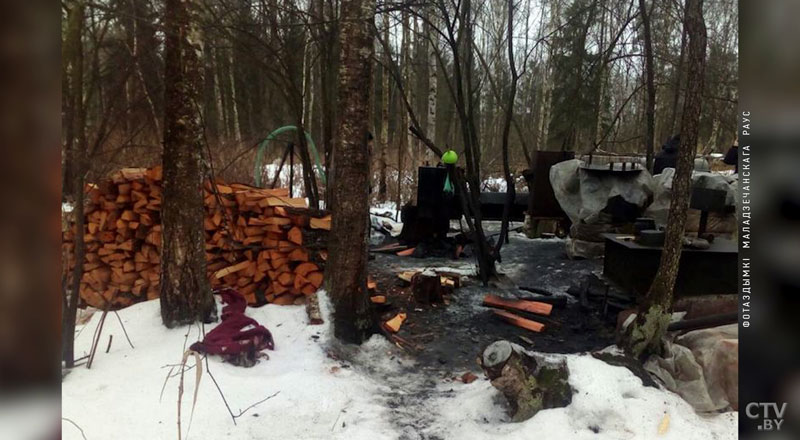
[448,337]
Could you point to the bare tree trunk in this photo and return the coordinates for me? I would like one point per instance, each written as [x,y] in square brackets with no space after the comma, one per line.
[71,66]
[76,144]
[382,187]
[406,141]
[651,88]
[309,179]
[413,79]
[346,271]
[645,334]
[237,127]
[185,290]
[512,94]
[433,88]
[543,132]
[677,94]
[329,52]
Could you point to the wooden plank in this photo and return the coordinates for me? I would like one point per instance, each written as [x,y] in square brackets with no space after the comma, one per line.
[519,321]
[538,308]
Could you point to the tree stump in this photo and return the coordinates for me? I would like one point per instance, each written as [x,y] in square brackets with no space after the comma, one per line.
[427,288]
[530,381]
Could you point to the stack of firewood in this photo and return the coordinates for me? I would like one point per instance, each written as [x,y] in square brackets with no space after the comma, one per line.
[268,246]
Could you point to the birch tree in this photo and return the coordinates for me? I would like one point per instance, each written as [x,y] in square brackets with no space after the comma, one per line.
[346,269]
[185,290]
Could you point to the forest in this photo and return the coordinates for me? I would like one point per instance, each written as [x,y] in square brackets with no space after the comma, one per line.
[578,80]
[336,207]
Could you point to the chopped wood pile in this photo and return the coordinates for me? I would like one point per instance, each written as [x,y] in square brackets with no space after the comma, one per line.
[261,242]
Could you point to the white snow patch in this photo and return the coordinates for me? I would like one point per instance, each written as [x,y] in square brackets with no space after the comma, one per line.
[323,398]
[119,397]
[608,399]
[522,237]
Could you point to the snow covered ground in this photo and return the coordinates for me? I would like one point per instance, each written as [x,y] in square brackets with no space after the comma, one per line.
[329,391]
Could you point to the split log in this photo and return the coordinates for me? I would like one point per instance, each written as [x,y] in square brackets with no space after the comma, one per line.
[519,321]
[529,381]
[538,308]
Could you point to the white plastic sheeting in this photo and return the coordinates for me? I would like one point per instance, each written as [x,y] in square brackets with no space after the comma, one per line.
[702,367]
[584,194]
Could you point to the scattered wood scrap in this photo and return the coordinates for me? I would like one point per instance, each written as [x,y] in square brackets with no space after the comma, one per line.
[519,321]
[390,248]
[407,252]
[393,325]
[261,242]
[407,276]
[538,308]
[312,310]
[467,377]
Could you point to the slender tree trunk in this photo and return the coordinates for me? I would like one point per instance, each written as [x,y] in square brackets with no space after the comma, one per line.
[509,116]
[645,334]
[185,290]
[77,145]
[382,187]
[72,66]
[433,88]
[210,109]
[678,81]
[237,126]
[651,88]
[346,271]
[406,141]
[413,79]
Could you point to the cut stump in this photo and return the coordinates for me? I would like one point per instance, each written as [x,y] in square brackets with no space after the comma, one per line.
[427,288]
[529,381]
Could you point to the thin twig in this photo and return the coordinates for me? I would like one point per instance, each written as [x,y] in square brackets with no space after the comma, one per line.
[123,329]
[224,400]
[241,412]
[172,367]
[98,332]
[76,426]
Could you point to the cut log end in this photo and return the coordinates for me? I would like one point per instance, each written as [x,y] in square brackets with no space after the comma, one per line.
[530,382]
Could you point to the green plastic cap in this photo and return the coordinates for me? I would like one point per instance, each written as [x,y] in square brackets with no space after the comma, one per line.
[449,157]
